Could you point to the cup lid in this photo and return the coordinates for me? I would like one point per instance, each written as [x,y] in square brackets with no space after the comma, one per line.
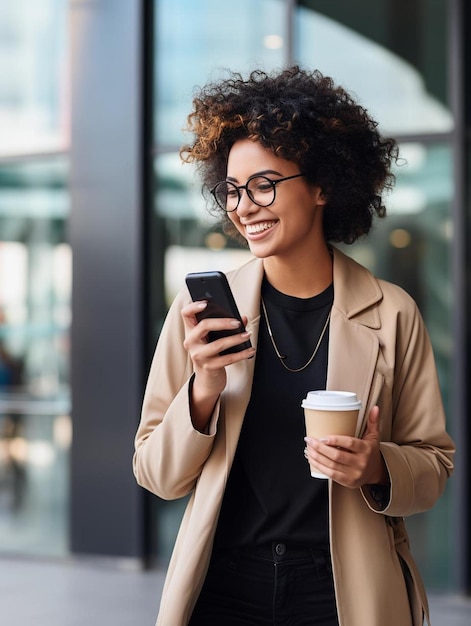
[331,400]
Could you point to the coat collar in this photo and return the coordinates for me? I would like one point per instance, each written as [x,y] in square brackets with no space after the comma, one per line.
[356,290]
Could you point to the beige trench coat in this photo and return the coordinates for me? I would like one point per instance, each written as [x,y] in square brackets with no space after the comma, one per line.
[379,348]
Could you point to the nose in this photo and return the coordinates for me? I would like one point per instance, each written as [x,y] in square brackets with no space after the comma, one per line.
[246,205]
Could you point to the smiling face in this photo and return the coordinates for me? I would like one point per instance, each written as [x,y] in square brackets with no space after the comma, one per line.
[290,228]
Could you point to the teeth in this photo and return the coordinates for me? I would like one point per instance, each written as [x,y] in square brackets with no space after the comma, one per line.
[258,228]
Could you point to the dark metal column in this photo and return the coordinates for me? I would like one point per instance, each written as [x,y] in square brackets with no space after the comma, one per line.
[460,100]
[108,158]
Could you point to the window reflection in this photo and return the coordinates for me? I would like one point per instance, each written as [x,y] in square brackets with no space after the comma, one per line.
[35,291]
[33,481]
[195,240]
[366,51]
[411,247]
[196,39]
[33,86]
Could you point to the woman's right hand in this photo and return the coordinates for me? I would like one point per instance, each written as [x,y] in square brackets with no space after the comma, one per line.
[209,365]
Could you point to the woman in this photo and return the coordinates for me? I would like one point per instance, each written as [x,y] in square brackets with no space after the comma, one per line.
[293,164]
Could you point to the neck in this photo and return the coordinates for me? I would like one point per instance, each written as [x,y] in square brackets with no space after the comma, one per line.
[303,279]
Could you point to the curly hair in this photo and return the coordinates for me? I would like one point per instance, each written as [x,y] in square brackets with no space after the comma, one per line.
[305,118]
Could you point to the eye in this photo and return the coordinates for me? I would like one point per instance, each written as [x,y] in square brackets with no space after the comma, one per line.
[261,185]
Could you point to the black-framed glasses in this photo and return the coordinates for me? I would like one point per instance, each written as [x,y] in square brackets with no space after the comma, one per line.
[260,189]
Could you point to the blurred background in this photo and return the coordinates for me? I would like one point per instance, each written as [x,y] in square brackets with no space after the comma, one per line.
[100,222]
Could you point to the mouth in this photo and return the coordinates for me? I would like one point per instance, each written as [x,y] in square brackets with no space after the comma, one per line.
[259,227]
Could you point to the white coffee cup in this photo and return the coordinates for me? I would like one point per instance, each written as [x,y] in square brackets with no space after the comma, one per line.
[330,413]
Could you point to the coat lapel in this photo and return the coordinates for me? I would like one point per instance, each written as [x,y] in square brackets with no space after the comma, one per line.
[246,284]
[353,352]
[353,344]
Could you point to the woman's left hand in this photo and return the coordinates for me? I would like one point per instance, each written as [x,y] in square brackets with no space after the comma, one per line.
[350,461]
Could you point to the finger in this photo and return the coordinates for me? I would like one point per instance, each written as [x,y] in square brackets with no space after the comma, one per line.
[344,442]
[372,427]
[190,311]
[222,344]
[213,354]
[220,323]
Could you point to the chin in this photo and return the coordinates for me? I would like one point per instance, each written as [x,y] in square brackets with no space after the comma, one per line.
[260,252]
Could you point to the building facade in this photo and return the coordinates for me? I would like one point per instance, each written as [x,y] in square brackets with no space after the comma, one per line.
[99,223]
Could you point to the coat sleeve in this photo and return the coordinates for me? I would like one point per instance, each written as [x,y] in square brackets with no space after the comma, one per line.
[169,452]
[419,452]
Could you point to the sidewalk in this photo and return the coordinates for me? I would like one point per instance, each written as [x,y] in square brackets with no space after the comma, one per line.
[44,593]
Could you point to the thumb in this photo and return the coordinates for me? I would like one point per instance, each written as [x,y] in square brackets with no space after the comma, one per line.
[372,427]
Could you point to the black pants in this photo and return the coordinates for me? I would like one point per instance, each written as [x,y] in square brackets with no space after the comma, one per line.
[274,586]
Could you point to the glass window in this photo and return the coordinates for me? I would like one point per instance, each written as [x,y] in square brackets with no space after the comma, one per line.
[392,55]
[195,40]
[33,71]
[194,239]
[35,278]
[35,292]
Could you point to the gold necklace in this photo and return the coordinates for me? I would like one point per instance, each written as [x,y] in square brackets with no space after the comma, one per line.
[282,357]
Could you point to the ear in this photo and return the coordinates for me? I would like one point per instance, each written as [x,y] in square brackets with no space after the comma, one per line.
[318,196]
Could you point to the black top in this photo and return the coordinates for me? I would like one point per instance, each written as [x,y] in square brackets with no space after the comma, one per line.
[270,493]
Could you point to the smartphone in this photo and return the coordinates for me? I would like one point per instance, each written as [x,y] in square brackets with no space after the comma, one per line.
[213,287]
